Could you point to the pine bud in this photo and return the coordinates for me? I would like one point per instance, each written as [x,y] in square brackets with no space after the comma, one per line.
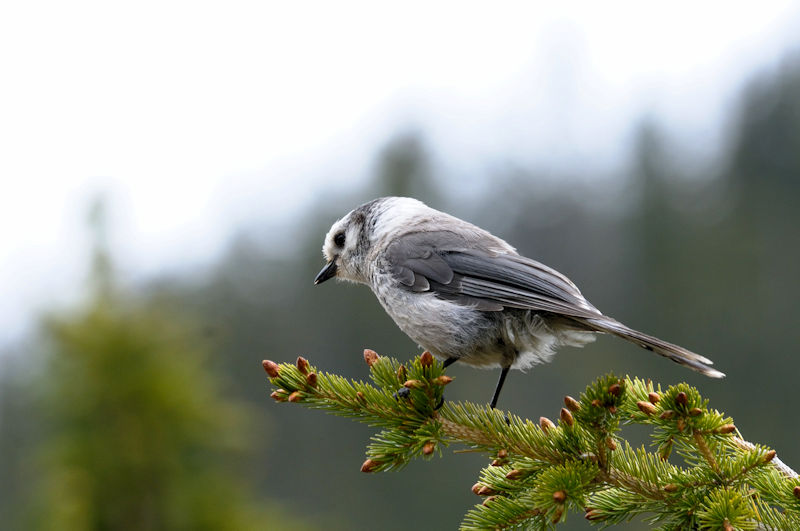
[545,423]
[361,398]
[611,443]
[488,500]
[727,428]
[476,488]
[371,357]
[593,515]
[671,487]
[302,365]
[485,491]
[428,448]
[681,425]
[665,450]
[442,380]
[796,492]
[402,374]
[426,359]
[502,453]
[369,466]
[295,397]
[596,402]
[681,398]
[646,407]
[271,367]
[559,512]
[695,412]
[666,415]
[726,525]
[653,398]
[498,462]
[559,496]
[279,395]
[769,456]
[612,410]
[412,384]
[615,389]
[566,417]
[572,404]
[311,379]
[516,474]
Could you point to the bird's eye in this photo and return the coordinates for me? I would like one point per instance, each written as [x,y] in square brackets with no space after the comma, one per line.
[339,239]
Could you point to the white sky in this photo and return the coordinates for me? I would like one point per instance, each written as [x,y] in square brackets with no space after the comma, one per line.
[198,117]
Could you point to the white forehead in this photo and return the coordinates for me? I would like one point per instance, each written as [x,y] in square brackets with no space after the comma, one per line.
[400,212]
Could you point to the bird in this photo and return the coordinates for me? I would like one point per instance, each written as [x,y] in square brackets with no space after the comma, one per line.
[468,296]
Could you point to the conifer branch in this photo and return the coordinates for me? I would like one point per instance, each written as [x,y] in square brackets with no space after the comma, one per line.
[539,472]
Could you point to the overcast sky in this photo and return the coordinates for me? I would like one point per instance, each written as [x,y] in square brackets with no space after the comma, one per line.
[195,118]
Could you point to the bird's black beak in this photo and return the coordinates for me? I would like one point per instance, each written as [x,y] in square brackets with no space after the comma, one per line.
[329,271]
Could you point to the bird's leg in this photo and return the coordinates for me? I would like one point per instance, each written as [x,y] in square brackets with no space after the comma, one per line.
[446,364]
[449,361]
[499,386]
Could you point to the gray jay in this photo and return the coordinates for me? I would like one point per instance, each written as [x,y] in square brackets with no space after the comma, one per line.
[466,295]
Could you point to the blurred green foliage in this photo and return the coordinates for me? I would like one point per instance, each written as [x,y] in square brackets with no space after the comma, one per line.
[706,256]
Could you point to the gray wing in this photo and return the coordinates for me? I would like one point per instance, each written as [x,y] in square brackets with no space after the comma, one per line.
[454,269]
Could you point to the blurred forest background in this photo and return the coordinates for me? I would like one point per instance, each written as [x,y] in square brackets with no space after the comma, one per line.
[145,407]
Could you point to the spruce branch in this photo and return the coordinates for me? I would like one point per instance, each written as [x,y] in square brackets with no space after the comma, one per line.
[540,472]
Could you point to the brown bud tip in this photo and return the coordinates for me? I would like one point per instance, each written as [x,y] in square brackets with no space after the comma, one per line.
[566,417]
[545,423]
[596,402]
[369,466]
[485,491]
[302,365]
[426,359]
[726,428]
[559,512]
[615,389]
[653,397]
[371,357]
[666,415]
[769,456]
[681,398]
[498,462]
[611,443]
[612,409]
[796,492]
[572,404]
[726,525]
[412,384]
[278,396]
[295,397]
[311,379]
[271,367]
[695,412]
[476,488]
[671,487]
[515,474]
[488,500]
[502,453]
[681,425]
[429,447]
[442,380]
[646,407]
[402,373]
[559,496]
[593,515]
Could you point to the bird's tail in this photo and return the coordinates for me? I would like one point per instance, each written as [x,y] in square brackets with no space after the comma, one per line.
[680,355]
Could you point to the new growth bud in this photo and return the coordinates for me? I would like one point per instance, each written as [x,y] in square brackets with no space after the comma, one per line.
[653,398]
[646,407]
[371,357]
[572,404]
[546,424]
[566,417]
[302,365]
[369,465]
[271,367]
[426,359]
